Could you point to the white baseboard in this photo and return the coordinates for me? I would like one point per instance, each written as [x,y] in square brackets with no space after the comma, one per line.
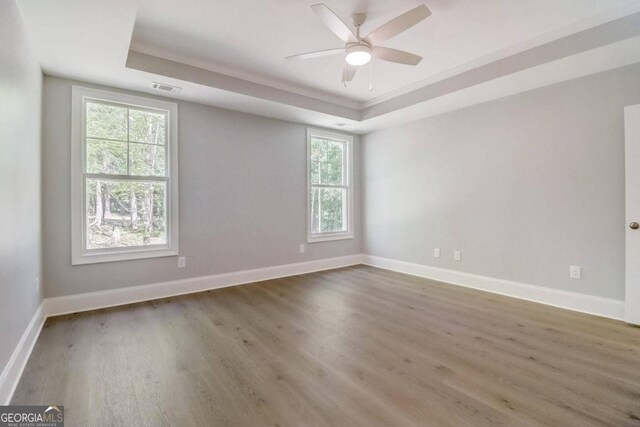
[95,300]
[13,370]
[599,306]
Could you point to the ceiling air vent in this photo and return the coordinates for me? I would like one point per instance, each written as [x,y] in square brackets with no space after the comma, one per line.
[165,87]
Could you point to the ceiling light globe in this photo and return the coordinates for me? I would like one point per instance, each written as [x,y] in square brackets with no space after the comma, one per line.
[358,55]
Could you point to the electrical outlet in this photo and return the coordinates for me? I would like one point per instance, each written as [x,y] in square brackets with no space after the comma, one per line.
[182,262]
[457,255]
[302,249]
[436,252]
[37,284]
[575,272]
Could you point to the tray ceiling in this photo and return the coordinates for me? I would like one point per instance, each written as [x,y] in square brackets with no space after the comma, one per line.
[249,39]
[230,54]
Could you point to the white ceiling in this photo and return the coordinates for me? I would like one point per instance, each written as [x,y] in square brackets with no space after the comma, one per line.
[249,38]
[474,51]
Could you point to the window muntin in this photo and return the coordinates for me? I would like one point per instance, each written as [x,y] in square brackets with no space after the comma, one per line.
[329,192]
[127,190]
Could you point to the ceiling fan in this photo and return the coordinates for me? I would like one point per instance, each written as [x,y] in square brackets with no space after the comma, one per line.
[360,50]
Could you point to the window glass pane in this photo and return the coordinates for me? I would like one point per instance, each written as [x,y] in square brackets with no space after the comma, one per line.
[106,121]
[333,170]
[318,153]
[315,173]
[328,210]
[315,210]
[147,127]
[326,162]
[146,160]
[106,156]
[125,213]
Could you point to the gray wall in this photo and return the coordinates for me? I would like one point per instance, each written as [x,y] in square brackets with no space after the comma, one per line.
[524,186]
[20,250]
[242,198]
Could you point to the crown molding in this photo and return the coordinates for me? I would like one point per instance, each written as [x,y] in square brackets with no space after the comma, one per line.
[582,25]
[188,73]
[607,34]
[610,57]
[302,90]
[612,44]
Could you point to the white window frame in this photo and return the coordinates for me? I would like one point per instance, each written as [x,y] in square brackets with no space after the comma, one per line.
[79,253]
[347,160]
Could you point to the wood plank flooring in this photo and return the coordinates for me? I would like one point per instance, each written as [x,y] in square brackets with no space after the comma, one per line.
[356,346]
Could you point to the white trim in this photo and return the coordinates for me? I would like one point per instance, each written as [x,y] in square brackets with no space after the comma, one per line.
[18,360]
[95,300]
[548,37]
[138,49]
[599,306]
[178,67]
[78,254]
[141,49]
[348,183]
[632,213]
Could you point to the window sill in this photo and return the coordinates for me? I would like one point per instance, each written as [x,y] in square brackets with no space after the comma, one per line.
[101,257]
[328,237]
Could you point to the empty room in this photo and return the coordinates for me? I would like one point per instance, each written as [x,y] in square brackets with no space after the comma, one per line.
[292,213]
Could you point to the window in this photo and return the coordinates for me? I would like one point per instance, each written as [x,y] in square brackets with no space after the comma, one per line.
[330,191]
[124,177]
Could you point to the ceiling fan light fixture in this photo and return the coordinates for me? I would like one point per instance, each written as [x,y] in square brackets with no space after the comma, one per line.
[358,54]
[358,51]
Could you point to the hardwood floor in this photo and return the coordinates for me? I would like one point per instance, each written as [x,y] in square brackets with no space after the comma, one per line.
[357,346]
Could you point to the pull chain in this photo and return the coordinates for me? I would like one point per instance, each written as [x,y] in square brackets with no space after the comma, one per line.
[370,76]
[344,74]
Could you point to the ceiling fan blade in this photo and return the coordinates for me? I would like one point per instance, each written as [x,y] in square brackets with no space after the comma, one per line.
[395,55]
[348,73]
[334,23]
[316,54]
[398,24]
